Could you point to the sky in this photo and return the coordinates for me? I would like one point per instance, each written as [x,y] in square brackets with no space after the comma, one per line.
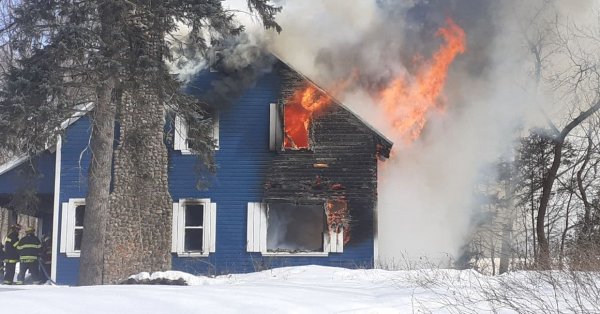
[427,205]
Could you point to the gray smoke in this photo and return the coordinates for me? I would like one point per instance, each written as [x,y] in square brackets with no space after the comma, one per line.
[426,201]
[239,61]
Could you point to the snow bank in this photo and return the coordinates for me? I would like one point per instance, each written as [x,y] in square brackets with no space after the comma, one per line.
[305,289]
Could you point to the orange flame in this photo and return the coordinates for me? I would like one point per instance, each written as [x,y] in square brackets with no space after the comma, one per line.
[302,107]
[298,114]
[407,102]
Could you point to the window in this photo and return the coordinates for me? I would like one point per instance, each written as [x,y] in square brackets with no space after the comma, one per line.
[180,138]
[73,213]
[291,229]
[301,109]
[194,227]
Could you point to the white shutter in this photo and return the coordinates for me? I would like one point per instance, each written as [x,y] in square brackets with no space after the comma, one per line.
[209,228]
[64,234]
[215,129]
[180,134]
[213,227]
[175,228]
[275,130]
[250,245]
[334,241]
[257,227]
[181,226]
[70,235]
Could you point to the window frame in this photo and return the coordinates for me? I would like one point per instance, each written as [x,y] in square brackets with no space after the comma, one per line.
[68,226]
[180,134]
[208,227]
[256,237]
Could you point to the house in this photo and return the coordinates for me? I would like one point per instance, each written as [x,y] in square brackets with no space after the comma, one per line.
[277,199]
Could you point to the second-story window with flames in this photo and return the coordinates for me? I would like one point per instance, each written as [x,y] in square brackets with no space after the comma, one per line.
[304,105]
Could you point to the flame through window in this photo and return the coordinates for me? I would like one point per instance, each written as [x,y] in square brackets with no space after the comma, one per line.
[299,111]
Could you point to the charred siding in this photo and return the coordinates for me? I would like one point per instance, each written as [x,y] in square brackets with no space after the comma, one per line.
[341,163]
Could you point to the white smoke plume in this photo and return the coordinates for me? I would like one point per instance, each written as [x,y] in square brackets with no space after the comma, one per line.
[426,201]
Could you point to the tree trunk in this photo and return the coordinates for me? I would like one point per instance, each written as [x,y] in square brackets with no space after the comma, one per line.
[561,253]
[506,248]
[100,168]
[548,183]
[139,232]
[99,177]
[587,220]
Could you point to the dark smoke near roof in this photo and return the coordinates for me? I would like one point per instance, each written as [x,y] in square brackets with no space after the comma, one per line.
[425,190]
[240,62]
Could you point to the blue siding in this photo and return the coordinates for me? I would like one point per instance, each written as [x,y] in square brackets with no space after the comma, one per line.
[73,184]
[243,159]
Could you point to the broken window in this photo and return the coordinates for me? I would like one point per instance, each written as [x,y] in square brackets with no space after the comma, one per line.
[295,228]
[299,111]
[284,228]
[194,227]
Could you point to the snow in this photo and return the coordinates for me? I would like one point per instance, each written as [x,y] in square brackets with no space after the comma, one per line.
[303,289]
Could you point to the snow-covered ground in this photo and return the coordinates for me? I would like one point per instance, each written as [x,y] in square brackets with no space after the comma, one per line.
[316,289]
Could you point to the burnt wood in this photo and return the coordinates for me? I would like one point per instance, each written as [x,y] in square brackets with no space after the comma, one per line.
[341,162]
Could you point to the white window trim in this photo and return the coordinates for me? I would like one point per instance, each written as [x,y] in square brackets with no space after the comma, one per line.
[256,236]
[209,228]
[67,234]
[180,137]
[299,254]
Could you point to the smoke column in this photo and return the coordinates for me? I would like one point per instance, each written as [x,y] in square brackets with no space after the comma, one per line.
[426,201]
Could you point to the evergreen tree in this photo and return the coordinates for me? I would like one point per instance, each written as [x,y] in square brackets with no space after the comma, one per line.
[112,54]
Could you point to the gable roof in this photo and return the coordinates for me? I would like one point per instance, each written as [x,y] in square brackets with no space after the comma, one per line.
[386,144]
[382,140]
[82,110]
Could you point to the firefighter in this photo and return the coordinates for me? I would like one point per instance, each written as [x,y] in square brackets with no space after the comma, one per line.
[11,255]
[29,250]
[1,261]
[46,255]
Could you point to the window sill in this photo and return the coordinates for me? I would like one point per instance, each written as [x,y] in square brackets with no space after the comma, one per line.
[185,151]
[189,152]
[73,254]
[301,254]
[191,254]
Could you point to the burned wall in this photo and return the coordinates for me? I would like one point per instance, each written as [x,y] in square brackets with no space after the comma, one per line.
[340,164]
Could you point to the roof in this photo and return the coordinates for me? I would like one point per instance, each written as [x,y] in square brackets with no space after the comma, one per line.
[386,144]
[82,110]
[382,140]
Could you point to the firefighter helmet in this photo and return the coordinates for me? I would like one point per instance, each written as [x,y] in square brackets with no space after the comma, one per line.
[16,227]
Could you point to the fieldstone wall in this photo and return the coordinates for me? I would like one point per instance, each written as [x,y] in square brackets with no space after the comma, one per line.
[139,228]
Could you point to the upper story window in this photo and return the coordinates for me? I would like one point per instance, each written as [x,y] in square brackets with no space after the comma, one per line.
[73,213]
[300,109]
[180,138]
